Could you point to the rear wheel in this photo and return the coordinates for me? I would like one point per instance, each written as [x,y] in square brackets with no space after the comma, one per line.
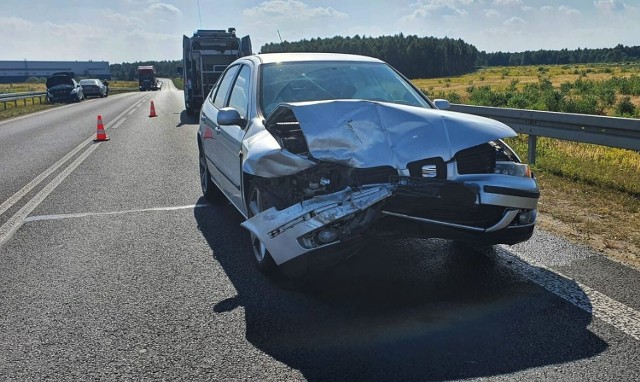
[210,191]
[260,201]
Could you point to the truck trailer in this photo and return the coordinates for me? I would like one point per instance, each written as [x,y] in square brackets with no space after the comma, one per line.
[205,56]
[147,78]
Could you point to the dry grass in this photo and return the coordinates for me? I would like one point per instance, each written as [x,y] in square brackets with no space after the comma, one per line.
[604,220]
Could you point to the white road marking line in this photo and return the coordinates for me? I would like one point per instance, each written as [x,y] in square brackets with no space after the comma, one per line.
[85,214]
[31,185]
[37,180]
[590,300]
[120,122]
[11,226]
[132,111]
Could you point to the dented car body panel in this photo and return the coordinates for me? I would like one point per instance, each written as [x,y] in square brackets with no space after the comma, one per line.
[359,133]
[317,166]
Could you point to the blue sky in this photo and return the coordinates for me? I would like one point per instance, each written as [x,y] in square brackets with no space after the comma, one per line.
[138,30]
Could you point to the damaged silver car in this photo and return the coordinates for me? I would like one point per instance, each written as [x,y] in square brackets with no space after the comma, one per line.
[321,151]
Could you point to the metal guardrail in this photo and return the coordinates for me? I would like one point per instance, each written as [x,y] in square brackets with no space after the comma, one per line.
[15,97]
[606,131]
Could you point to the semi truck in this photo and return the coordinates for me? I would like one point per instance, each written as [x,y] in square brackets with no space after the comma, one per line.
[205,55]
[147,78]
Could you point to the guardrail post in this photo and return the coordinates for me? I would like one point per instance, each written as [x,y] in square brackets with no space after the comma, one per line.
[531,155]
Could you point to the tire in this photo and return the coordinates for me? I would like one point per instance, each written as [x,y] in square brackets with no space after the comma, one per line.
[260,201]
[210,191]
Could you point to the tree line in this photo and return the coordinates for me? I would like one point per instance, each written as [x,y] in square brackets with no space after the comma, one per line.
[619,53]
[415,57]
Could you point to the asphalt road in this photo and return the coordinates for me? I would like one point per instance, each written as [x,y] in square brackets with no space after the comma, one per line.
[112,267]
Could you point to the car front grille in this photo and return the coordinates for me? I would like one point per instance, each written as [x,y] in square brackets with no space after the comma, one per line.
[479,159]
[374,175]
[474,215]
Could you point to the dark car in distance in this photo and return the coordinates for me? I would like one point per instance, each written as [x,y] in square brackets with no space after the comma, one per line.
[93,87]
[62,87]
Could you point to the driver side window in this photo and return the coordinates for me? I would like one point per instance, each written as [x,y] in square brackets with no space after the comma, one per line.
[223,89]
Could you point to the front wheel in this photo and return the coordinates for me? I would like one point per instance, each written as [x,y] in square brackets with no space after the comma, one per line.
[259,201]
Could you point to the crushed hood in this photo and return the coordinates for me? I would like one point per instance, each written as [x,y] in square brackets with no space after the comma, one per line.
[360,133]
[59,80]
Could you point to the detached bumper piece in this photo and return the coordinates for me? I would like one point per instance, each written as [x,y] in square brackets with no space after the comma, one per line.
[318,222]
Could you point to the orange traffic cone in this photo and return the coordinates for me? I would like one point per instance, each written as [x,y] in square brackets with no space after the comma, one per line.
[152,111]
[100,135]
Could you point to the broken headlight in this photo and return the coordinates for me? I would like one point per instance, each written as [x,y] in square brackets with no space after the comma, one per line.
[512,168]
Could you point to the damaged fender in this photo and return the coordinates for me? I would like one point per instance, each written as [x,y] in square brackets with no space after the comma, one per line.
[281,232]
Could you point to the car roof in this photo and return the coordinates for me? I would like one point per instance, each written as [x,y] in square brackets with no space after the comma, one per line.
[268,58]
[89,79]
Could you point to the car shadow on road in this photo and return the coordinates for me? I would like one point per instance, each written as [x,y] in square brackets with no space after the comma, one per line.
[187,119]
[400,310]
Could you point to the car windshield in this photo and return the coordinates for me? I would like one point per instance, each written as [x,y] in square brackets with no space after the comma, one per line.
[88,82]
[314,81]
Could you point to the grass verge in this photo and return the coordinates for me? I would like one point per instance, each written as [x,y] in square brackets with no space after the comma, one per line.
[605,220]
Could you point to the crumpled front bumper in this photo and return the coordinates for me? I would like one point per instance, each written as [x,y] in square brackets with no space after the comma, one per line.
[350,213]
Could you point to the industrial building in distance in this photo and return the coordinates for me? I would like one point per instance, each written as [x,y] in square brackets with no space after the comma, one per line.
[20,71]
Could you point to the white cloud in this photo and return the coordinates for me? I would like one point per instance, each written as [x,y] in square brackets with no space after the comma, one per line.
[291,9]
[507,2]
[489,13]
[164,8]
[546,8]
[426,8]
[610,5]
[515,20]
[568,11]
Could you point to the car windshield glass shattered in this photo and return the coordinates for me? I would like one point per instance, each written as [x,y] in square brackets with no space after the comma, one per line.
[315,81]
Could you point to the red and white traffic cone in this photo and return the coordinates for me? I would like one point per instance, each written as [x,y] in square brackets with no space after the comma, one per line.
[152,110]
[100,134]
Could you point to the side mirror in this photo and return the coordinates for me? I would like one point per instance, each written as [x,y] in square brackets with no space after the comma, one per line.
[179,70]
[442,104]
[229,116]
